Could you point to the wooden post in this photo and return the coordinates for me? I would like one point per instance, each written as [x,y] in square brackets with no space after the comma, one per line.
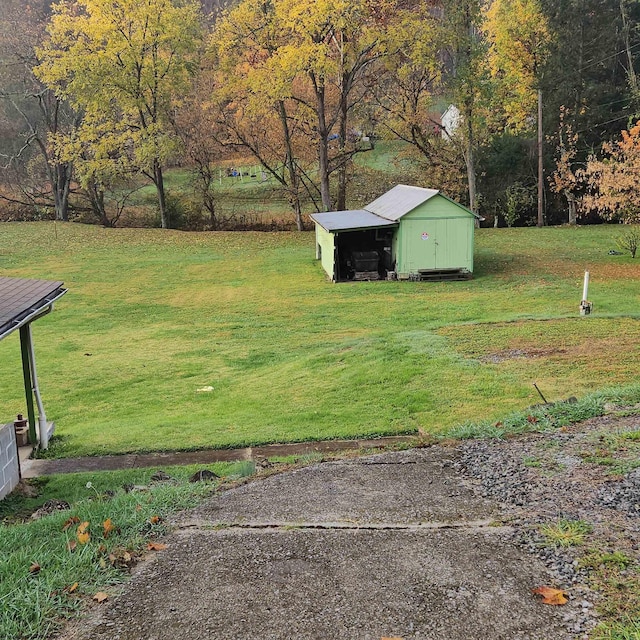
[540,164]
[25,337]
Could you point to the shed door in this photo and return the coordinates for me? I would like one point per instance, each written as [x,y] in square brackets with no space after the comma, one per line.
[424,245]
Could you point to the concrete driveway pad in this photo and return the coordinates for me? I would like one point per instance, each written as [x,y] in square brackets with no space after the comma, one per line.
[405,487]
[390,546]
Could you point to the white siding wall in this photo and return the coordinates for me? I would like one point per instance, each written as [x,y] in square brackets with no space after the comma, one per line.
[9,470]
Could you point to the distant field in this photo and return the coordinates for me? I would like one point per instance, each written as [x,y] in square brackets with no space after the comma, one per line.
[153,316]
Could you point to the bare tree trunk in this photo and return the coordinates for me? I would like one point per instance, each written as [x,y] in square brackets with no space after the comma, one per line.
[158,180]
[290,162]
[626,29]
[61,185]
[323,146]
[540,164]
[571,201]
[341,204]
[470,162]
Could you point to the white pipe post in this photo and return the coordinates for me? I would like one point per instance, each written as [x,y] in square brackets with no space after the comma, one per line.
[585,288]
[42,416]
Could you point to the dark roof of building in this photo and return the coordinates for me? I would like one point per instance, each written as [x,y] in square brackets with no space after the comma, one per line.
[350,220]
[23,300]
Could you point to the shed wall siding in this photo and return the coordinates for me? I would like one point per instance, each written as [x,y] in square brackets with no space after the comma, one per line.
[325,244]
[436,235]
[9,470]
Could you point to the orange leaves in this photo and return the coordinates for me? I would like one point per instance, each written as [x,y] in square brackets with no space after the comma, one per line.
[108,527]
[71,588]
[551,596]
[34,568]
[156,546]
[82,534]
[70,522]
[154,519]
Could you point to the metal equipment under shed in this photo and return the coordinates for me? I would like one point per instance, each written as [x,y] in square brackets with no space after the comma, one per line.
[408,233]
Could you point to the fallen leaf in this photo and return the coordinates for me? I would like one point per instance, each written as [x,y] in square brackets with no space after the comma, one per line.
[138,507]
[154,519]
[102,563]
[551,595]
[156,546]
[108,527]
[532,419]
[34,568]
[101,596]
[82,534]
[72,588]
[71,545]
[70,522]
[498,424]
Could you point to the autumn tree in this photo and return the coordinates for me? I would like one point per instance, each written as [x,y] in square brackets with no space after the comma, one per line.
[250,99]
[612,181]
[464,52]
[519,36]
[125,64]
[564,179]
[331,43]
[32,114]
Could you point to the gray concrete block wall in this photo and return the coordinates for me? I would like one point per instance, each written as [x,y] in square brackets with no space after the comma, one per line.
[9,469]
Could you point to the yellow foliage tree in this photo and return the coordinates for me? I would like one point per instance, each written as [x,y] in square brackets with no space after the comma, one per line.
[125,64]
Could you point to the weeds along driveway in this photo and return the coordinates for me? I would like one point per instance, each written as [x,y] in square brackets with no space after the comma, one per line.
[395,545]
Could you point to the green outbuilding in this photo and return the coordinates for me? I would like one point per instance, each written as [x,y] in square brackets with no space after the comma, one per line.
[409,233]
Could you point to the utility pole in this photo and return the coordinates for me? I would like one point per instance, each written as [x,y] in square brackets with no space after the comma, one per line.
[540,164]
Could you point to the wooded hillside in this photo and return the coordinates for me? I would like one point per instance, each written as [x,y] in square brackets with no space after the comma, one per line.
[522,109]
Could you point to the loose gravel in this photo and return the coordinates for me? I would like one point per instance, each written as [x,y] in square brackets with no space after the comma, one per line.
[583,472]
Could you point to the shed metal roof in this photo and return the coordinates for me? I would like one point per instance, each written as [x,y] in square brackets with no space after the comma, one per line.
[23,300]
[350,220]
[399,201]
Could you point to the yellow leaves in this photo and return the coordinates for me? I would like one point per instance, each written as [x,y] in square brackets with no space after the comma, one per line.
[72,588]
[551,596]
[100,597]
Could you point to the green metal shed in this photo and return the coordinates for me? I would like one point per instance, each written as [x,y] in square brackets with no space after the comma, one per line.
[409,233]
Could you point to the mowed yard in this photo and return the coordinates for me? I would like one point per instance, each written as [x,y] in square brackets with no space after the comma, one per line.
[152,317]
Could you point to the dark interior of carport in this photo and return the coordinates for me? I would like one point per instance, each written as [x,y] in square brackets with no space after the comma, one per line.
[360,254]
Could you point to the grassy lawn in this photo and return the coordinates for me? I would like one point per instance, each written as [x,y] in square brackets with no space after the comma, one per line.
[48,571]
[153,316]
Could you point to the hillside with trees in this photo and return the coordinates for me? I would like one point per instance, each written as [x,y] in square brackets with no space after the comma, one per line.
[524,110]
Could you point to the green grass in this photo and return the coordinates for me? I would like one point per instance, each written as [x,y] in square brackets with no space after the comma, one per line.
[34,603]
[152,316]
[565,533]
